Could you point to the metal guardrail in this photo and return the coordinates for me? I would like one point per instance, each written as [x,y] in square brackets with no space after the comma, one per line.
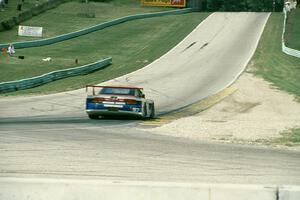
[42,42]
[12,86]
[285,49]
[55,75]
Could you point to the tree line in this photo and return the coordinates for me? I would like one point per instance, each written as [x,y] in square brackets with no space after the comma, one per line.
[243,5]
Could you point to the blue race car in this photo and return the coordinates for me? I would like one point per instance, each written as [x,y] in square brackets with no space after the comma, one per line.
[120,101]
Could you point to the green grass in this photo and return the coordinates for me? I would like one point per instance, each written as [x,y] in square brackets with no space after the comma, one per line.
[10,9]
[69,17]
[292,36]
[289,138]
[66,18]
[269,62]
[282,70]
[132,45]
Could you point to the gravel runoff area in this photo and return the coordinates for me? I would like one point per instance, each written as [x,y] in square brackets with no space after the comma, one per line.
[256,111]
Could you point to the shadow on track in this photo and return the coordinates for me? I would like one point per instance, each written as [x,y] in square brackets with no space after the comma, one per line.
[68,120]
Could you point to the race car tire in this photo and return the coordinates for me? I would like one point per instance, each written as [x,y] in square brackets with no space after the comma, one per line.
[152,108]
[93,116]
[145,110]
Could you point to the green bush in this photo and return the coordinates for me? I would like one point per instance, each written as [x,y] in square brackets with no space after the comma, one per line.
[8,24]
[100,0]
[244,5]
[38,9]
[16,20]
[25,15]
[84,1]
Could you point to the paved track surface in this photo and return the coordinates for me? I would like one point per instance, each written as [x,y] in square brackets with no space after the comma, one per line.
[207,61]
[46,137]
[83,149]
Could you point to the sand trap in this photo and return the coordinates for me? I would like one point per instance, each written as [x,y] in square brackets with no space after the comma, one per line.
[255,111]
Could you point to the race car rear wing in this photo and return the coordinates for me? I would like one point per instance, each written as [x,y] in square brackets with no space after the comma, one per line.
[107,86]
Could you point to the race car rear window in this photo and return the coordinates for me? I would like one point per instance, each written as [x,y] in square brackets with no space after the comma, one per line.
[117,91]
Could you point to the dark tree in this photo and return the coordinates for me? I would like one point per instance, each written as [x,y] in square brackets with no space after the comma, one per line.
[244,5]
[214,5]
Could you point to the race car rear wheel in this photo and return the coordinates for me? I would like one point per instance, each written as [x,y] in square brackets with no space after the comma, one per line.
[152,110]
[93,116]
[145,110]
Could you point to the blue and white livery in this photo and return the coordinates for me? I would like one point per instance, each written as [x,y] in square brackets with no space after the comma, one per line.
[121,101]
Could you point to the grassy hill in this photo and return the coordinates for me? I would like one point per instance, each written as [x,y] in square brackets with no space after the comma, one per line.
[73,16]
[292,36]
[269,62]
[10,9]
[132,45]
[282,70]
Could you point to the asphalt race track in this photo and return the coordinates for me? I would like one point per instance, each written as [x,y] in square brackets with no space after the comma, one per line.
[45,136]
[81,149]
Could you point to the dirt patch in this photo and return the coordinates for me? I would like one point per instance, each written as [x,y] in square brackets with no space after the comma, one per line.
[240,107]
[255,112]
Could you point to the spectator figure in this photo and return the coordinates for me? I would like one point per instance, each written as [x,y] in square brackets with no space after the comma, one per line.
[287,6]
[4,51]
[11,49]
[290,4]
[294,4]
[2,3]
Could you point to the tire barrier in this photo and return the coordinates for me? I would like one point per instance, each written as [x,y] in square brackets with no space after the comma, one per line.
[12,86]
[285,49]
[48,41]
